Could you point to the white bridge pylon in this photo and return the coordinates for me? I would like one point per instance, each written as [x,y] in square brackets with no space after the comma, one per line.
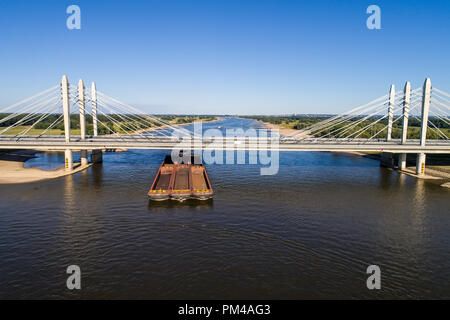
[105,122]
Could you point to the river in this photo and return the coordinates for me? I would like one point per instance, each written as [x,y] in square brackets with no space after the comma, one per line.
[310,231]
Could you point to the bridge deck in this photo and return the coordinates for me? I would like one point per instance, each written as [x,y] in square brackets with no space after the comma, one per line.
[240,143]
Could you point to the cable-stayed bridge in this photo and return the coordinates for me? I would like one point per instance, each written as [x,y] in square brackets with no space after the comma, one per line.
[102,122]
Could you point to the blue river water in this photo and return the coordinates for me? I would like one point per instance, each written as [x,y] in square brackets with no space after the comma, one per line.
[310,231]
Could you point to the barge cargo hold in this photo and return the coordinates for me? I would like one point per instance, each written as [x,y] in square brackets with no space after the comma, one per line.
[181,181]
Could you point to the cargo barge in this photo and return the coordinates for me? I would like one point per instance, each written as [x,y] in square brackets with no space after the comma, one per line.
[181,181]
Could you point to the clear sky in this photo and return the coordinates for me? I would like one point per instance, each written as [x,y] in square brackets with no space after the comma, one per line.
[230,56]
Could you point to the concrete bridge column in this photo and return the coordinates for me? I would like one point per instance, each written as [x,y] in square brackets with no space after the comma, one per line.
[425,111]
[406,103]
[81,105]
[66,107]
[420,163]
[97,156]
[402,161]
[68,160]
[387,159]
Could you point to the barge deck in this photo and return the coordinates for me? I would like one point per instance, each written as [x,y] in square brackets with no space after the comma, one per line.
[181,181]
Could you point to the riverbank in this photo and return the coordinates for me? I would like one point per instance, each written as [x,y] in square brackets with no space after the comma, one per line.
[282,131]
[13,171]
[175,125]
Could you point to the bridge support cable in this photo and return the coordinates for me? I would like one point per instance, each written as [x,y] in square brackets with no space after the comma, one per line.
[364,129]
[119,125]
[440,115]
[331,120]
[385,127]
[433,128]
[128,122]
[147,128]
[22,102]
[353,120]
[337,122]
[435,104]
[392,108]
[341,131]
[109,129]
[145,125]
[138,118]
[31,108]
[342,126]
[152,118]
[161,128]
[350,116]
[52,125]
[27,117]
[114,133]
[129,127]
[441,100]
[45,115]
[369,126]
[436,130]
[441,92]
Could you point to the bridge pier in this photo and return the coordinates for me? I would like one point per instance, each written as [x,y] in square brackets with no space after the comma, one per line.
[84,157]
[387,160]
[420,164]
[97,156]
[402,161]
[68,159]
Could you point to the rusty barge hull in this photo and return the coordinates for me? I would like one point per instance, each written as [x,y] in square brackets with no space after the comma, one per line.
[180,181]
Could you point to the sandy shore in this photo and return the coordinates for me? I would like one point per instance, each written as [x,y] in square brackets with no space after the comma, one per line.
[12,169]
[284,131]
[174,125]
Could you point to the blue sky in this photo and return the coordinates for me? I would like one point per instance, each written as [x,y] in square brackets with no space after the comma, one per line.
[231,56]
